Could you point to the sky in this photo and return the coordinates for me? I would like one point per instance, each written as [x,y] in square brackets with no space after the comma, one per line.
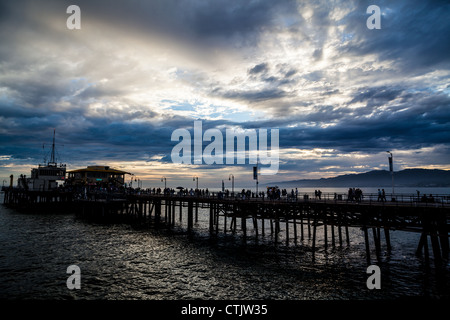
[339,93]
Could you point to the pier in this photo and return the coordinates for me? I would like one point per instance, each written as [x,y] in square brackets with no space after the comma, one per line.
[301,216]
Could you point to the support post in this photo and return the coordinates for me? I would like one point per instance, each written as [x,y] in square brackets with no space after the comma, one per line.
[366,239]
[244,224]
[190,215]
[196,211]
[314,235]
[376,241]
[325,233]
[287,230]
[225,220]
[295,227]
[302,235]
[211,217]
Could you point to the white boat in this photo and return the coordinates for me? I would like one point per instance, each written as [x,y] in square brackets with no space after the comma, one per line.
[45,177]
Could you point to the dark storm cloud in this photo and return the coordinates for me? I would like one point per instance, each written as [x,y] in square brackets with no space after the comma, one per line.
[9,110]
[190,20]
[428,125]
[277,81]
[37,92]
[277,76]
[119,140]
[98,91]
[290,73]
[383,94]
[252,96]
[418,120]
[258,68]
[375,97]
[413,34]
[227,18]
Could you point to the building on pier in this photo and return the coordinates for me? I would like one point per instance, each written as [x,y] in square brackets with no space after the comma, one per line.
[103,176]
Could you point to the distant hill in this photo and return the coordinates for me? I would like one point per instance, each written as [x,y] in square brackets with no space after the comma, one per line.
[379,178]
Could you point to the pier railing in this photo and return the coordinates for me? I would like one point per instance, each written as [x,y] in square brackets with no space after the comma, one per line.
[400,199]
[367,199]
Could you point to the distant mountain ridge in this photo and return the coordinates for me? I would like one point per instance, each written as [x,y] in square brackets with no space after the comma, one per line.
[379,178]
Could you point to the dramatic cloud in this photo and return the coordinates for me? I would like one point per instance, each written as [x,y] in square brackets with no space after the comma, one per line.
[340,94]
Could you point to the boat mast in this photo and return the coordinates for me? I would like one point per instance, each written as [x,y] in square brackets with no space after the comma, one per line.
[52,158]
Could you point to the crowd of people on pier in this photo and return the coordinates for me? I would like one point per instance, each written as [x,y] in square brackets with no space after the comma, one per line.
[354,195]
[272,193]
[427,199]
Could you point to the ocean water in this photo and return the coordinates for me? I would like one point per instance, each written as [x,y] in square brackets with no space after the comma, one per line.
[125,262]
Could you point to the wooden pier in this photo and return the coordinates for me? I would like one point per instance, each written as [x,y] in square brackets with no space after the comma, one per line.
[302,217]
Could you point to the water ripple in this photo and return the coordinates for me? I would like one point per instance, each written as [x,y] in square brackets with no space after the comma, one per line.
[121,262]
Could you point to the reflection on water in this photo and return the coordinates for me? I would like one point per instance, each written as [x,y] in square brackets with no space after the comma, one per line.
[125,262]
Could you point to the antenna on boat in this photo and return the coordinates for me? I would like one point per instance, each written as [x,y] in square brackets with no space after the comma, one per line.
[52,158]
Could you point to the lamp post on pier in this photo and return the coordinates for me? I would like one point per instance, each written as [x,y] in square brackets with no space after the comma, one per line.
[131,181]
[138,182]
[231,177]
[197,180]
[255,177]
[391,169]
[165,182]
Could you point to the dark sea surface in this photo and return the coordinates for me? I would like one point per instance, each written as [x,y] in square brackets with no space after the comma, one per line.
[123,262]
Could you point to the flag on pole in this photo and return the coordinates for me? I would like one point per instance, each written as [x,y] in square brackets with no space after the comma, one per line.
[391,167]
[255,173]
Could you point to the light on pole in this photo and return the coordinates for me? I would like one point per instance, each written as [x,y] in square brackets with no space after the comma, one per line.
[138,182]
[231,177]
[255,177]
[391,169]
[165,182]
[197,180]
